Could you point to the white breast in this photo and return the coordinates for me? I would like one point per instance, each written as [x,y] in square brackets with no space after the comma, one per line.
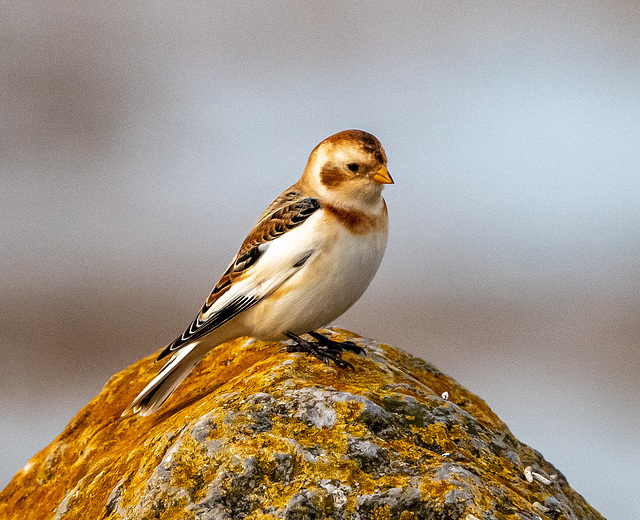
[333,279]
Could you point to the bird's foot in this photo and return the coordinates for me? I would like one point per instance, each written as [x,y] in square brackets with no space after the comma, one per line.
[324,349]
[337,346]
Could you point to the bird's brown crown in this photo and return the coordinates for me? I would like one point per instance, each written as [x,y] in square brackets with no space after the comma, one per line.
[366,142]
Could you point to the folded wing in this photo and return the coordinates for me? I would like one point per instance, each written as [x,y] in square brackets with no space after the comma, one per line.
[230,296]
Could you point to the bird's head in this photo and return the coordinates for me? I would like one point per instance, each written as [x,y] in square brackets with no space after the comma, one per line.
[348,168]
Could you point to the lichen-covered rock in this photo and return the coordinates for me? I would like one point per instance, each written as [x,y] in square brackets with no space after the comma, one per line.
[257,434]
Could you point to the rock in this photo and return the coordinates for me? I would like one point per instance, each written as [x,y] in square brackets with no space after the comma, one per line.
[257,434]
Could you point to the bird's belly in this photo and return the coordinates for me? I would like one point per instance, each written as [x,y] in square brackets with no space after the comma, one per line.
[324,289]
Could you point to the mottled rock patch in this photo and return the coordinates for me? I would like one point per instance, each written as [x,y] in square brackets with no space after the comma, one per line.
[257,434]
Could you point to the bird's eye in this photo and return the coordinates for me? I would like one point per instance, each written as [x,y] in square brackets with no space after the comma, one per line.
[353,167]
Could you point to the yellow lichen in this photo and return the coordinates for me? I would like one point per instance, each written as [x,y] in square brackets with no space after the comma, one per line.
[283,457]
[382,513]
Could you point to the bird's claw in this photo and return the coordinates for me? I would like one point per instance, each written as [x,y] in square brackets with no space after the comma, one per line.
[352,347]
[337,346]
[323,349]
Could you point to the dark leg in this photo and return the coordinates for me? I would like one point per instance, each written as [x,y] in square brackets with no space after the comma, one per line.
[314,349]
[336,345]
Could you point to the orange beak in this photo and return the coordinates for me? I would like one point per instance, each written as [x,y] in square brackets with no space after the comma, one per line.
[382,176]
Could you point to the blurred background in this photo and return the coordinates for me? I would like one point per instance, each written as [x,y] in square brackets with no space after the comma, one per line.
[140,142]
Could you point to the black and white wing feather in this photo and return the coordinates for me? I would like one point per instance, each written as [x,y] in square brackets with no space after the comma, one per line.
[285,213]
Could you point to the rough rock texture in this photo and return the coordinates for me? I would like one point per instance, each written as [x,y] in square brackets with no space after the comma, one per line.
[257,434]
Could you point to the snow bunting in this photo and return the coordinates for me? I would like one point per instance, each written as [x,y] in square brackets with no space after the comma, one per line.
[309,258]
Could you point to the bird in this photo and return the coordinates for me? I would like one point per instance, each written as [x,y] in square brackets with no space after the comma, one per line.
[309,258]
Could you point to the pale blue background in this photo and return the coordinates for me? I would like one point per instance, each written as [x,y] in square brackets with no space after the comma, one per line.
[140,141]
